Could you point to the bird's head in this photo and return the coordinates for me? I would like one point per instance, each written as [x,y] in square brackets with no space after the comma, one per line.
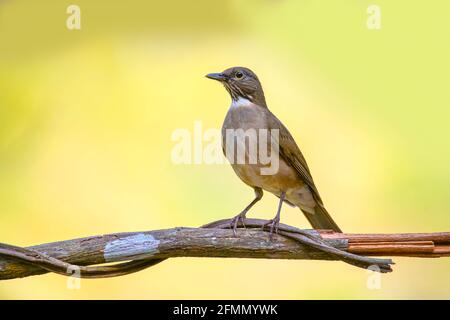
[241,83]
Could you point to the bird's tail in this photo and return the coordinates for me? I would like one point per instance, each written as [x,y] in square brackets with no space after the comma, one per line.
[321,219]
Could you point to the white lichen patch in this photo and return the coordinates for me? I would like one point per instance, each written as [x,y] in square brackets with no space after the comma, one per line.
[132,247]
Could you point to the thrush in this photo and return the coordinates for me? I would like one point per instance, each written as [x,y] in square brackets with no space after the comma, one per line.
[292,182]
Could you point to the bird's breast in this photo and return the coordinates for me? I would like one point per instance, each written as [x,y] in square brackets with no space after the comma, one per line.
[245,115]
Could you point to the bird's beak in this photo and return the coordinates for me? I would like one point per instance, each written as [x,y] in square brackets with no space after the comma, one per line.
[216,76]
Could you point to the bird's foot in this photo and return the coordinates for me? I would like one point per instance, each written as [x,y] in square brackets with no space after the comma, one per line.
[235,221]
[274,224]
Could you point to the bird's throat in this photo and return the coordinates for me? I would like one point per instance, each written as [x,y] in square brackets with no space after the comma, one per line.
[240,102]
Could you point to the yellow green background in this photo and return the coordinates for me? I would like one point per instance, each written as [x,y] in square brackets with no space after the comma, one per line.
[86,119]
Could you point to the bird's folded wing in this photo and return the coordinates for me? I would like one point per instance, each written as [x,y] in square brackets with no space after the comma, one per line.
[290,152]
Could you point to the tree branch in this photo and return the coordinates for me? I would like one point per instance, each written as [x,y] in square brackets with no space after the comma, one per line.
[144,249]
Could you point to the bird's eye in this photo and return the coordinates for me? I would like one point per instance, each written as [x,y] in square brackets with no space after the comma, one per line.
[239,75]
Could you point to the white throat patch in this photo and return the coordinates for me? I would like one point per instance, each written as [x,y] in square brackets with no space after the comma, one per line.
[241,102]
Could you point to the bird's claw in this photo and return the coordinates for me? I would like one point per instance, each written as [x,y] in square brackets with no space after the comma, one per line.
[235,221]
[274,224]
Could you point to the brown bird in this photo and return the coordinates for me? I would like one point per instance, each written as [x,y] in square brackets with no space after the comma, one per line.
[292,181]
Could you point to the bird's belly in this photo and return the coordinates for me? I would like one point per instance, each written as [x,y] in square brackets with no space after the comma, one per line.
[284,180]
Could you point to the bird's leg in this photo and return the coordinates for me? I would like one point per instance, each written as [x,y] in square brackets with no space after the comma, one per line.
[275,222]
[241,216]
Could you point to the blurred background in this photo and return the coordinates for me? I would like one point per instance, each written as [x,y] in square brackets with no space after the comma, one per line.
[86,118]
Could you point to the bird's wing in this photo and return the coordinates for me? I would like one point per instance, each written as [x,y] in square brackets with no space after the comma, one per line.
[290,152]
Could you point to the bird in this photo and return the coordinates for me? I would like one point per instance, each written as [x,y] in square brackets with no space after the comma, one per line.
[292,182]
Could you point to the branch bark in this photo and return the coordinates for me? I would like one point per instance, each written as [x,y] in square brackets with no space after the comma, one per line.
[147,248]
